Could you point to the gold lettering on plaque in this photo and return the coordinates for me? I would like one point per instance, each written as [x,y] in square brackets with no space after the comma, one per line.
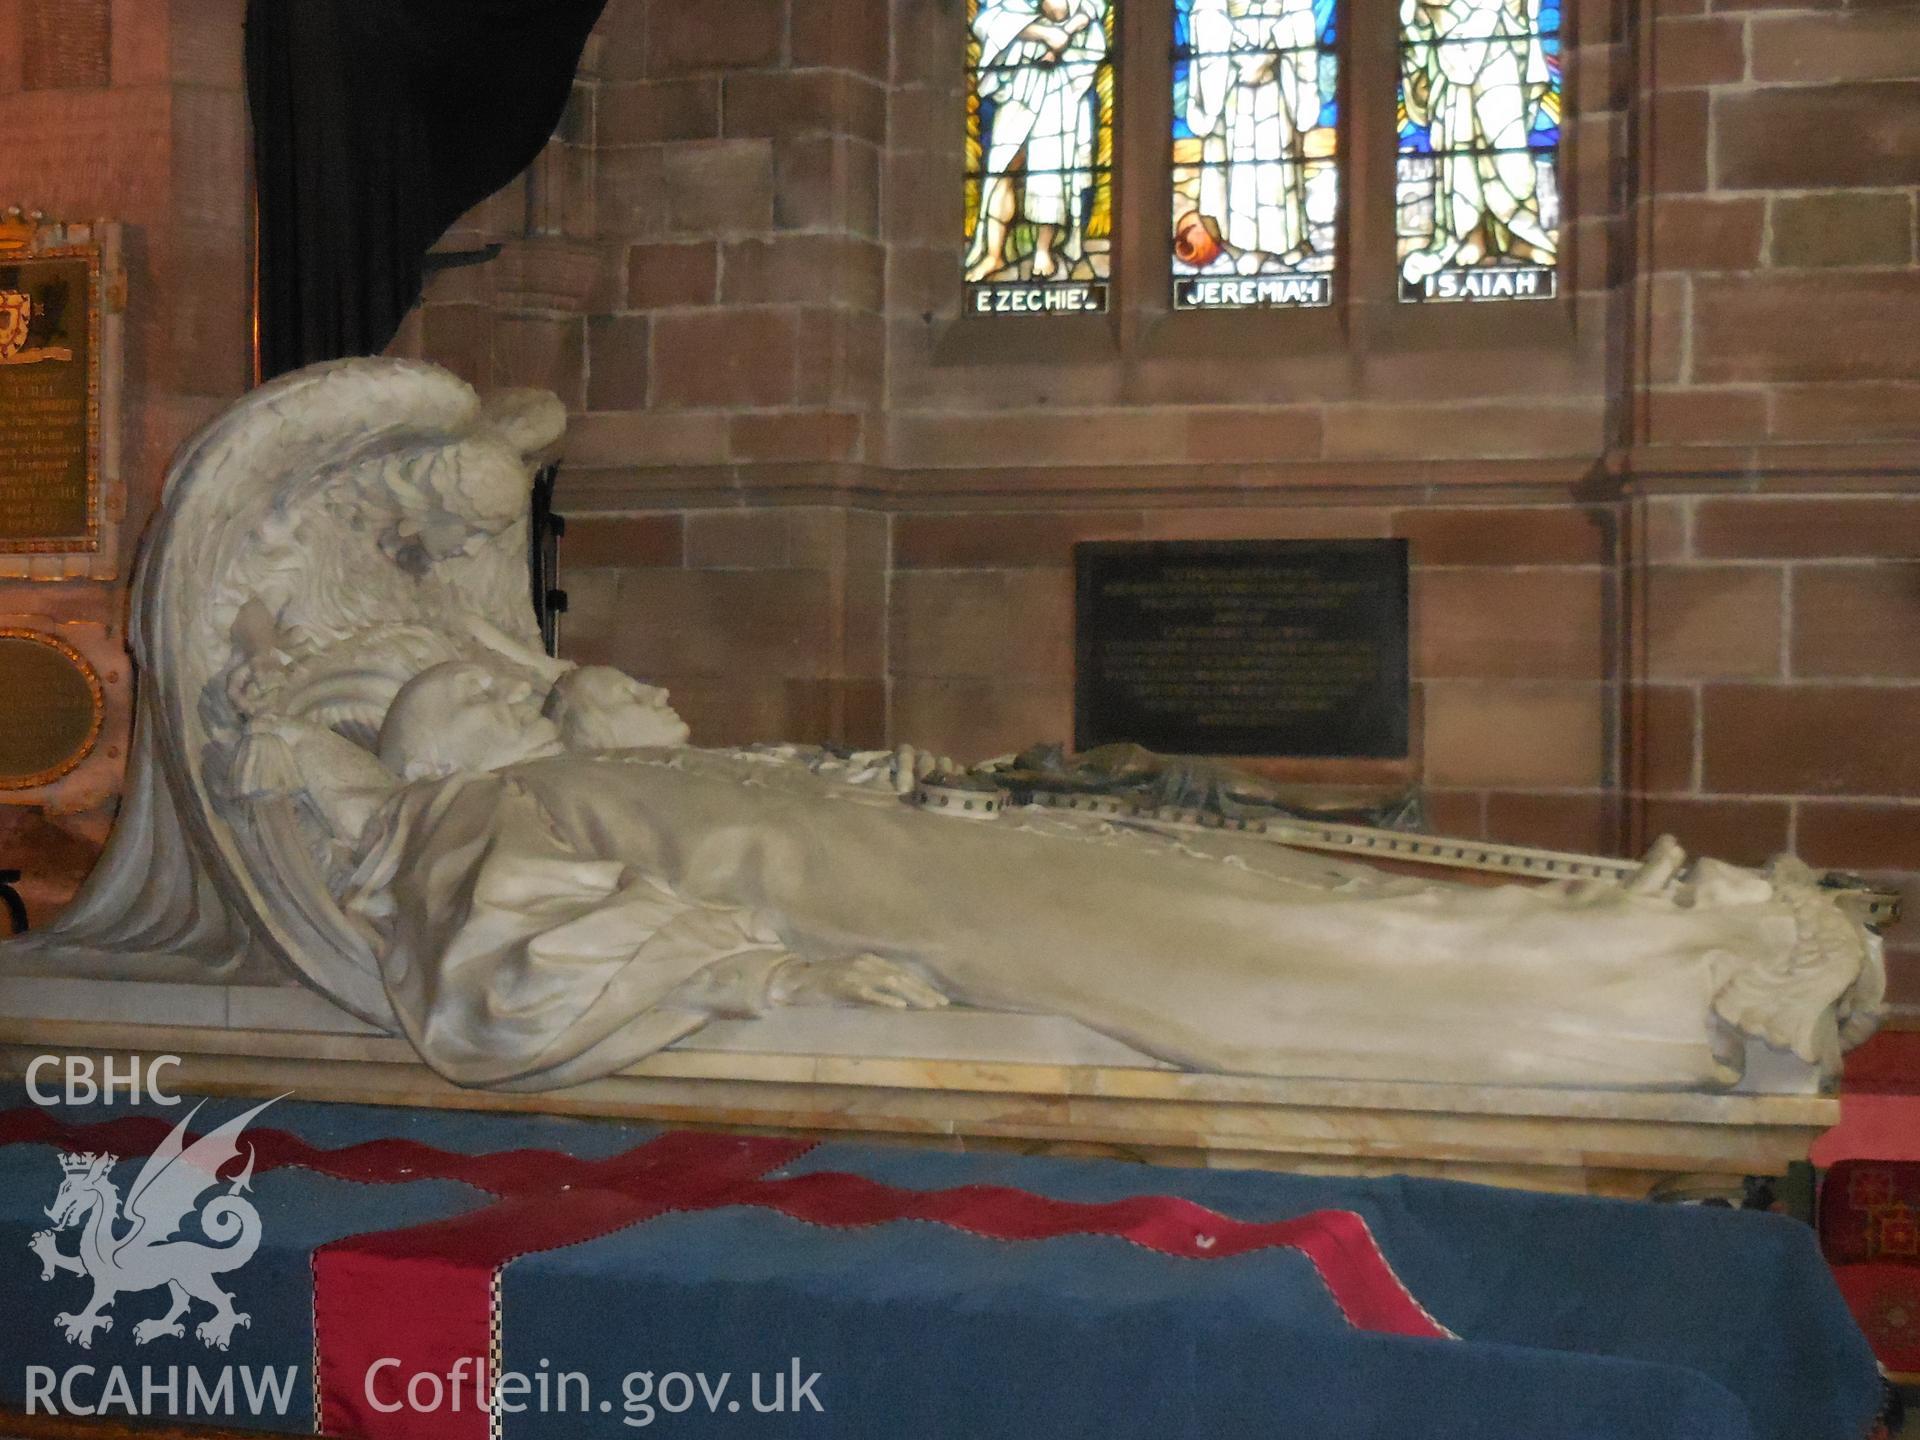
[1220,658]
[51,708]
[49,400]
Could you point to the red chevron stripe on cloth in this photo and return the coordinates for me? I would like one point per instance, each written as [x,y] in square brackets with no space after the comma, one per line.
[434,1288]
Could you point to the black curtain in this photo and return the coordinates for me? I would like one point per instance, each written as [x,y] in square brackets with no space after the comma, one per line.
[376,125]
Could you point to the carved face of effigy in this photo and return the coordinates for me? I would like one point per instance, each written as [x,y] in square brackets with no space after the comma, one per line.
[598,708]
[462,717]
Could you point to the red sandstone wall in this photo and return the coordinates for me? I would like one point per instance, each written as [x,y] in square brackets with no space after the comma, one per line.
[132,111]
[1778,259]
[1666,547]
[1776,589]
[1666,556]
[1780,708]
[695,266]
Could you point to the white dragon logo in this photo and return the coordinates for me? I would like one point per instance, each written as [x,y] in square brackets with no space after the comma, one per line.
[145,1255]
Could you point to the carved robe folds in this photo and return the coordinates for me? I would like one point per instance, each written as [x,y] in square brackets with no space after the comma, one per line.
[562,918]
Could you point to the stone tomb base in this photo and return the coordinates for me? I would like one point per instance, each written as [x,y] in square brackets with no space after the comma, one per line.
[957,1079]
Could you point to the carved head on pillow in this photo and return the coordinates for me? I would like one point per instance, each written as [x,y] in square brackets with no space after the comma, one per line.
[462,717]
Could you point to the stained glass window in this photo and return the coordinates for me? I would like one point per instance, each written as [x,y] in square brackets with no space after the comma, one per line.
[1256,173]
[1479,111]
[1039,184]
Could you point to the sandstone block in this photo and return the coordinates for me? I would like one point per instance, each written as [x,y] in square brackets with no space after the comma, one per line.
[1506,535]
[1863,410]
[1267,522]
[1879,44]
[617,362]
[650,112]
[1004,541]
[1854,740]
[1693,51]
[1857,621]
[983,623]
[724,358]
[1380,431]
[1585,822]
[1280,433]
[1661,721]
[1795,137]
[1700,415]
[1677,152]
[773,623]
[843,34]
[1509,624]
[617,50]
[1699,232]
[208,44]
[628,200]
[623,542]
[717,187]
[794,437]
[827,184]
[1854,836]
[804,269]
[632,439]
[663,275]
[1806,325]
[683,38]
[786,104]
[1842,228]
[1514,735]
[738,540]
[1712,622]
[973,720]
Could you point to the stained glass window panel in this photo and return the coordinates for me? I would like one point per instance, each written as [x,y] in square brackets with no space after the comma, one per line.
[1256,170]
[1039,181]
[1478,200]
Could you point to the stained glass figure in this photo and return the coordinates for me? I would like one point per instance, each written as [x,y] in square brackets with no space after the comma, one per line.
[1256,173]
[1479,113]
[1039,187]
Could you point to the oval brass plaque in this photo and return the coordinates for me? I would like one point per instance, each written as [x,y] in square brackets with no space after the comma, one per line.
[51,708]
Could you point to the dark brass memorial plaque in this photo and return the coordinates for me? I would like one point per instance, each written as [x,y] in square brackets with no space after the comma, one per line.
[50,708]
[1243,647]
[49,400]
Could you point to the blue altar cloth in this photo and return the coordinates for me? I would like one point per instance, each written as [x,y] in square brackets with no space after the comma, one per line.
[1574,1317]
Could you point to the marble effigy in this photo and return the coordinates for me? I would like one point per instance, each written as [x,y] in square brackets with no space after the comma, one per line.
[356,772]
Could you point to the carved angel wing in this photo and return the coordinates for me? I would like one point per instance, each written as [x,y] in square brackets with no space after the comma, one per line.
[356,497]
[178,1173]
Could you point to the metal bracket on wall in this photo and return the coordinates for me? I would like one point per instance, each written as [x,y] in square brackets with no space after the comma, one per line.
[543,560]
[436,260]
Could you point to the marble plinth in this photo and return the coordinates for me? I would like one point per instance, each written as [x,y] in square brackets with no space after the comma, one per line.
[972,1080]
